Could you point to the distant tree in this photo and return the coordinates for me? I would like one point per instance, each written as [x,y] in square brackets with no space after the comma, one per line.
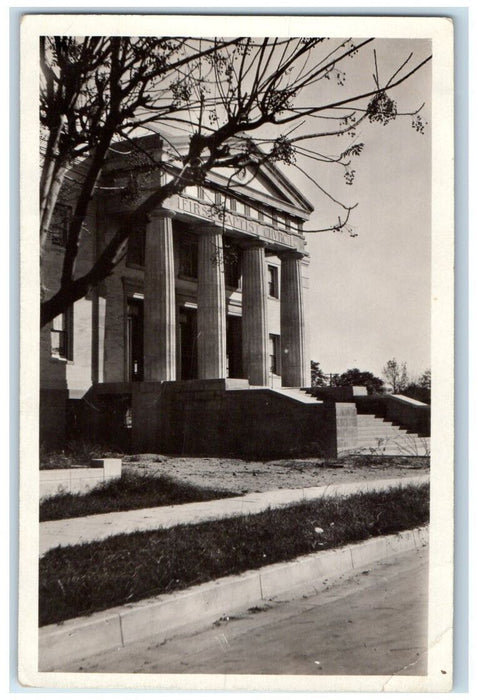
[317,375]
[421,389]
[396,374]
[355,377]
[425,380]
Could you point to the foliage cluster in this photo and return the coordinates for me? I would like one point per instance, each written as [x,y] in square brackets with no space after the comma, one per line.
[394,372]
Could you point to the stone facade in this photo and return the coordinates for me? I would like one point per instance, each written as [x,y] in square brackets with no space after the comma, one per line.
[213,286]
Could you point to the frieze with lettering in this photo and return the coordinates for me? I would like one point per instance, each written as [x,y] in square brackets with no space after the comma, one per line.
[234,221]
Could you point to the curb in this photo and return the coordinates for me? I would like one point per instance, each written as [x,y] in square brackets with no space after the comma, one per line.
[205,603]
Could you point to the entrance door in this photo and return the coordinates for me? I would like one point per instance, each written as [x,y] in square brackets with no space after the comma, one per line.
[234,346]
[134,340]
[188,343]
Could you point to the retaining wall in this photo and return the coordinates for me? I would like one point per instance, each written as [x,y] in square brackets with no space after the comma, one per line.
[229,418]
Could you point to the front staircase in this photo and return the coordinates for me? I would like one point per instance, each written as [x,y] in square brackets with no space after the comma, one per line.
[378,436]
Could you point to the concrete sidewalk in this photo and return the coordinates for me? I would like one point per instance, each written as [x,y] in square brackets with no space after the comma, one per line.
[75,531]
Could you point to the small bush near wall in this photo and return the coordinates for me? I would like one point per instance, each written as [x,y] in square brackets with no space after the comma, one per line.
[76,453]
[100,418]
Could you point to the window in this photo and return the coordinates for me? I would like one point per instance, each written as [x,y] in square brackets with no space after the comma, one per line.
[61,336]
[232,264]
[137,246]
[274,354]
[273,281]
[188,257]
[60,225]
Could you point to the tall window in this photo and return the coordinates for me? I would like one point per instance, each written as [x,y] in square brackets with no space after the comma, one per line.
[137,246]
[188,257]
[60,224]
[61,336]
[274,353]
[273,281]
[232,264]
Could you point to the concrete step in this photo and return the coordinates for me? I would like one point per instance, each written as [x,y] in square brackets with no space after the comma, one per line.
[297,394]
[396,450]
[382,441]
[372,432]
[368,418]
[376,435]
[402,443]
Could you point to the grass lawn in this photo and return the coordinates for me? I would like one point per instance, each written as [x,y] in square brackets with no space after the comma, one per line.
[130,492]
[96,576]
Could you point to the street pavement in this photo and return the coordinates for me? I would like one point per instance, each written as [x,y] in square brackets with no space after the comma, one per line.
[73,531]
[371,623]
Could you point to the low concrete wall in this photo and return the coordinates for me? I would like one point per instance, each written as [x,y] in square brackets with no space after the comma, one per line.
[413,415]
[229,418]
[345,426]
[53,481]
[337,393]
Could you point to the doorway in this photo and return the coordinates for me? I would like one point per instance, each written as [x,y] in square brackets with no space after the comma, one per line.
[134,340]
[234,347]
[188,343]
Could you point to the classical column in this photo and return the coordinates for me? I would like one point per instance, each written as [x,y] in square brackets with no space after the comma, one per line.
[292,320]
[254,314]
[211,318]
[159,299]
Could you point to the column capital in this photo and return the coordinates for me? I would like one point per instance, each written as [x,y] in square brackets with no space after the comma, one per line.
[248,243]
[160,213]
[290,255]
[208,229]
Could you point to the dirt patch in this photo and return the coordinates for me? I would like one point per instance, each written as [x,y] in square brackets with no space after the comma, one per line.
[243,477]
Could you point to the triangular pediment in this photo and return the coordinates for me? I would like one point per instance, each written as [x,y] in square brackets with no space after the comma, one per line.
[266,183]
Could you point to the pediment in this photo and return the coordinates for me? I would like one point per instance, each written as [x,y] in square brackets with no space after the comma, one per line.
[267,183]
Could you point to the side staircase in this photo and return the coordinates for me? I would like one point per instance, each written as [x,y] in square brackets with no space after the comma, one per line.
[378,436]
[375,433]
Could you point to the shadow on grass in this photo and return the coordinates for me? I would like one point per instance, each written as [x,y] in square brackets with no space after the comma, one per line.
[129,492]
[99,575]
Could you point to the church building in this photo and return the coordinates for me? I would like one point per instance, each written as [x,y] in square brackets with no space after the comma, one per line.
[210,296]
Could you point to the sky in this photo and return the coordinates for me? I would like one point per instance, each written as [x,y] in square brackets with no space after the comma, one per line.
[370,294]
